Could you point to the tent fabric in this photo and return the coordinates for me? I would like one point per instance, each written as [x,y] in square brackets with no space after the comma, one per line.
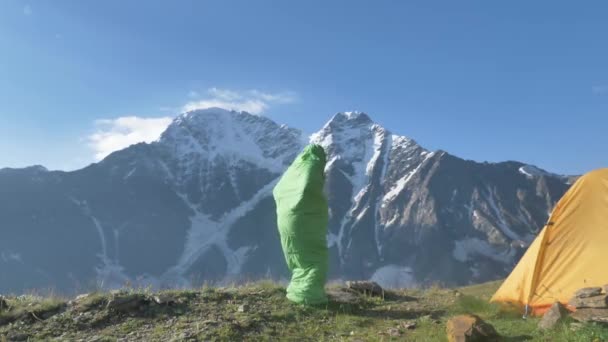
[302,218]
[568,253]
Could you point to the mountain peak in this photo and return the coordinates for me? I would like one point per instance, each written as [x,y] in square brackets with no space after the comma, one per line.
[354,117]
[199,114]
[352,124]
[230,135]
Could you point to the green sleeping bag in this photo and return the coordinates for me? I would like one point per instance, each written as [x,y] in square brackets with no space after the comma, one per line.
[302,217]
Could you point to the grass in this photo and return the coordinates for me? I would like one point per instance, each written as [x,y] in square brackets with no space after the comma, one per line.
[28,308]
[213,314]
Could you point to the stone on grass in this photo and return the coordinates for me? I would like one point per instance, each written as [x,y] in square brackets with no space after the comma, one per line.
[164,299]
[82,296]
[590,302]
[470,328]
[556,314]
[394,332]
[366,287]
[408,325]
[342,296]
[588,292]
[587,315]
[124,302]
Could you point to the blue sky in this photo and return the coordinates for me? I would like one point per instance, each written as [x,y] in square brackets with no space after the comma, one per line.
[484,80]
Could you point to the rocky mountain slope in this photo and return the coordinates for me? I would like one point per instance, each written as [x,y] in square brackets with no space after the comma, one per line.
[196,207]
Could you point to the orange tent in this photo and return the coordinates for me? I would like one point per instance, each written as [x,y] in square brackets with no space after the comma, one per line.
[569,253]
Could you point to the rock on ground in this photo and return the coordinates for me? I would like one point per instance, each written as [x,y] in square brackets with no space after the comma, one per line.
[164,299]
[126,302]
[408,325]
[393,332]
[589,302]
[342,295]
[470,328]
[556,314]
[588,292]
[366,287]
[591,315]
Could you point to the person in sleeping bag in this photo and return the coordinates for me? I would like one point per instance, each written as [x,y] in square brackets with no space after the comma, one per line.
[302,217]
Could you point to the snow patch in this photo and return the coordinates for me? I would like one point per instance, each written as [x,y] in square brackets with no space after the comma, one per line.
[362,213]
[502,223]
[352,114]
[205,233]
[401,142]
[393,219]
[110,274]
[532,171]
[376,148]
[362,148]
[217,134]
[130,173]
[379,204]
[402,182]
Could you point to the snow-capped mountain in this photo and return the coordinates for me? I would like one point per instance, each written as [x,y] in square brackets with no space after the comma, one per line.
[196,206]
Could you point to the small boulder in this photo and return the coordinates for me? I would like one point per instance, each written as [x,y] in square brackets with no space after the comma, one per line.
[164,299]
[588,292]
[600,301]
[586,315]
[82,297]
[557,313]
[126,302]
[243,308]
[394,332]
[467,328]
[366,287]
[408,325]
[342,296]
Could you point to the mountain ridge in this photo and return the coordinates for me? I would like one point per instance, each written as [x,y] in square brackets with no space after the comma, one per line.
[195,206]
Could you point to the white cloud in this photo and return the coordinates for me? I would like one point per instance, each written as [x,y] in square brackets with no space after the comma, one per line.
[27,10]
[224,94]
[284,97]
[599,90]
[116,134]
[252,101]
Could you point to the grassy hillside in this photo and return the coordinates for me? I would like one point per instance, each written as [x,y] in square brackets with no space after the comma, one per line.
[260,312]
